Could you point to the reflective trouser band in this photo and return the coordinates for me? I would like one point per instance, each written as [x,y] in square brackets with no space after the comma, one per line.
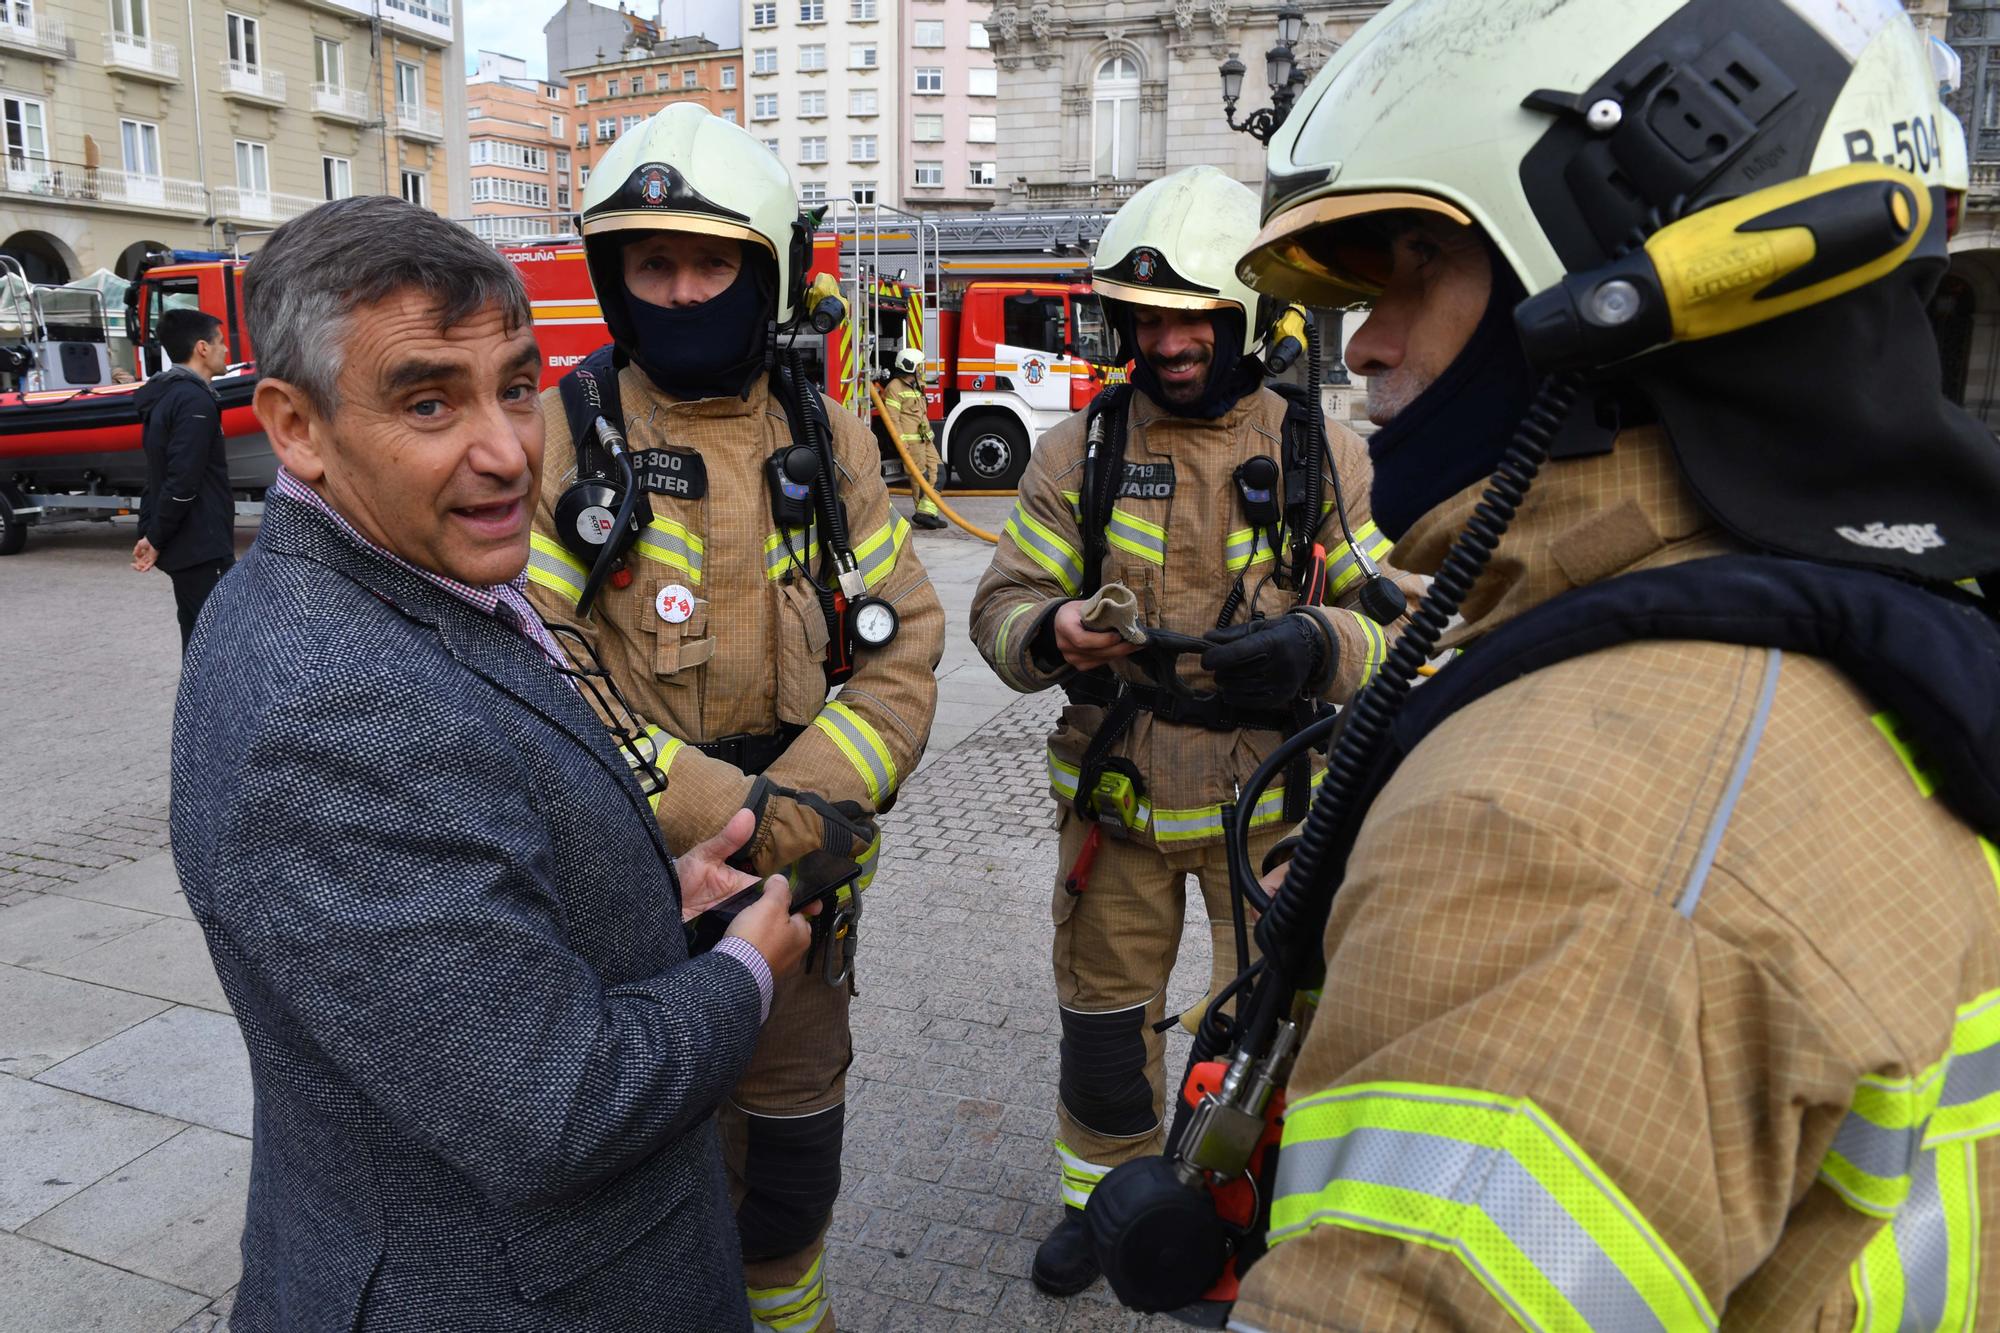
[863,746]
[800,1307]
[1345,572]
[1493,1181]
[1245,548]
[1146,540]
[552,567]
[672,544]
[1079,1177]
[783,549]
[1922,1270]
[1002,663]
[1040,544]
[877,555]
[1189,825]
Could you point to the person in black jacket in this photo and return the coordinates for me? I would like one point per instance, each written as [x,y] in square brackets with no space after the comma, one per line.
[187,521]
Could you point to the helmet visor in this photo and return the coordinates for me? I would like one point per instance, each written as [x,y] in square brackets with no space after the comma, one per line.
[1334,251]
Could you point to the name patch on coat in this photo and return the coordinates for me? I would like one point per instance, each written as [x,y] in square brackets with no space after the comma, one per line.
[1147,481]
[682,475]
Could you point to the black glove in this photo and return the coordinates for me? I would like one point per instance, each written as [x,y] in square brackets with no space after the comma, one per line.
[1269,663]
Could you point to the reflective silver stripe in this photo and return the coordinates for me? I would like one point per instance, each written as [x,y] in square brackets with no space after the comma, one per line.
[670,547]
[1045,550]
[1884,1153]
[1970,1077]
[1471,1175]
[1774,662]
[1135,535]
[780,554]
[864,747]
[877,556]
[545,563]
[1923,1246]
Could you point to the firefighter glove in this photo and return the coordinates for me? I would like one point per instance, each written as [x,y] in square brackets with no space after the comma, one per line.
[1269,663]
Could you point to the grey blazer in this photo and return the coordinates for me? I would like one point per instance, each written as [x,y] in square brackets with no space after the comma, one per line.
[484,1065]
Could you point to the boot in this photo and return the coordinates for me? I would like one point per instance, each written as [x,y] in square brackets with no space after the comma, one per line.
[1066,1264]
[923,518]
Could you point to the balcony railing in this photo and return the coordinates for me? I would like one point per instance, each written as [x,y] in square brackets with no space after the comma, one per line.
[21,29]
[258,83]
[338,103]
[142,56]
[418,122]
[1064,193]
[259,205]
[75,183]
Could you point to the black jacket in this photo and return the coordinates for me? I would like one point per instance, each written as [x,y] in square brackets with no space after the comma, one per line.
[187,512]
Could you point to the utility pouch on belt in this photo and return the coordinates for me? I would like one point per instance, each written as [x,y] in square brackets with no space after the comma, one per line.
[1114,797]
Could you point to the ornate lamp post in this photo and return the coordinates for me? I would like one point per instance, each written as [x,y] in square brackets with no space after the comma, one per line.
[1281,72]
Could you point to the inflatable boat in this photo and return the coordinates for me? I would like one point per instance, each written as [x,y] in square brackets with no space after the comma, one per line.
[89,439]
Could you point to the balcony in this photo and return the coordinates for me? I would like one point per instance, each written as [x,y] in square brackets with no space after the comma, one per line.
[253,83]
[22,30]
[259,205]
[72,183]
[142,58]
[1067,194]
[330,101]
[429,21]
[1985,191]
[414,122]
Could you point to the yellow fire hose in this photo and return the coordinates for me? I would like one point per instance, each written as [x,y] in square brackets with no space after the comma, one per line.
[916,475]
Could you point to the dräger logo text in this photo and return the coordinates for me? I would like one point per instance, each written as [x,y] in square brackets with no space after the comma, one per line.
[1916,538]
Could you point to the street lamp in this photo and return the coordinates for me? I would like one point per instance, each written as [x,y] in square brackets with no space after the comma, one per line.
[1281,72]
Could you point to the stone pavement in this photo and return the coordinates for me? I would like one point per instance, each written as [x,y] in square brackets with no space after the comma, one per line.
[124,1090]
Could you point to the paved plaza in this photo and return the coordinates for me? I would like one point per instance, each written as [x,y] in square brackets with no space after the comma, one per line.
[124,1089]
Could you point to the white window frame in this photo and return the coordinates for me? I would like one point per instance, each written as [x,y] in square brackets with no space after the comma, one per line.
[982,129]
[976,38]
[861,192]
[863,55]
[764,14]
[812,11]
[812,57]
[416,187]
[330,62]
[812,104]
[612,87]
[989,77]
[416,85]
[145,133]
[244,38]
[863,102]
[927,175]
[764,106]
[336,171]
[927,33]
[764,60]
[256,155]
[864,148]
[982,175]
[557,127]
[861,11]
[583,94]
[729,115]
[24,131]
[562,161]
[131,18]
[812,192]
[728,78]
[690,77]
[927,128]
[933,75]
[812,149]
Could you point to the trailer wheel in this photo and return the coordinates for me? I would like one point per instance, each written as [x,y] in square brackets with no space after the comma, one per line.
[990,451]
[13,529]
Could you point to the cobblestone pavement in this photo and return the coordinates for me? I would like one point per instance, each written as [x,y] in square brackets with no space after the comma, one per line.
[124,1091]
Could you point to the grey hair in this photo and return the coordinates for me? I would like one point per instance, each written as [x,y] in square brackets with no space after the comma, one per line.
[302,288]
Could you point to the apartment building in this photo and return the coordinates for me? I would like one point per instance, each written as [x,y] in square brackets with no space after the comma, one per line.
[145,124]
[611,97]
[518,131]
[824,94]
[950,107]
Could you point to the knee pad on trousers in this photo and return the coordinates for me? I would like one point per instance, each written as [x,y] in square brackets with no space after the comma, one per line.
[791,1176]
[1104,1072]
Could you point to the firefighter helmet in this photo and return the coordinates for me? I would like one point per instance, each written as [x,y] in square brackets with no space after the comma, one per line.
[686,170]
[910,361]
[1563,157]
[1175,243]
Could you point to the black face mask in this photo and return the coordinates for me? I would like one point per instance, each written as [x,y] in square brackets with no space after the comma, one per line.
[1457,429]
[707,350]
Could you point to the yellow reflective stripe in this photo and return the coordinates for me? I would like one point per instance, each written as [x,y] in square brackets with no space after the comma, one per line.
[1075,499]
[1079,1177]
[552,567]
[1244,548]
[1969,1106]
[1063,778]
[672,544]
[877,556]
[1205,821]
[866,859]
[783,550]
[1921,1272]
[1497,1183]
[1041,544]
[1001,661]
[654,746]
[862,745]
[800,1306]
[1377,652]
[1130,533]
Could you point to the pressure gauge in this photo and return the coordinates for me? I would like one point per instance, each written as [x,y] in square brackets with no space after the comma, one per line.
[875,622]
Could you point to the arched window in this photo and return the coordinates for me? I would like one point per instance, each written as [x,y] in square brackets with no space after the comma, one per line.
[1115,117]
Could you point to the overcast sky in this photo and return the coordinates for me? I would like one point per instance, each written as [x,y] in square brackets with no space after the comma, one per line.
[512,26]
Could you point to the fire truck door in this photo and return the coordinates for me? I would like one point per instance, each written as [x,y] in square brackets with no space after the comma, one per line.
[1034,350]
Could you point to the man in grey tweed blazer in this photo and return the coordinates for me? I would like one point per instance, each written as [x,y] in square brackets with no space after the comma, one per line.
[484,1064]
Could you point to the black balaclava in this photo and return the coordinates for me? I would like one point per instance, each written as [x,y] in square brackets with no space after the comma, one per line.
[1232,377]
[1457,429]
[709,350]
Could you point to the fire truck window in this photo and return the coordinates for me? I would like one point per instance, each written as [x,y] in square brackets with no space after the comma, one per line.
[1034,322]
[1093,339]
[164,294]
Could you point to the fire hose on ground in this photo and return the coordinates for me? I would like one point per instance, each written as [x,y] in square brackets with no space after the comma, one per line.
[916,475]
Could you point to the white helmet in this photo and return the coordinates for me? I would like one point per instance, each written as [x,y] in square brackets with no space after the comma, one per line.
[1176,243]
[910,361]
[1566,132]
[686,170]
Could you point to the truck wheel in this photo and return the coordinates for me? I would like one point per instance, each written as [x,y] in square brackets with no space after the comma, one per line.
[13,530]
[990,452]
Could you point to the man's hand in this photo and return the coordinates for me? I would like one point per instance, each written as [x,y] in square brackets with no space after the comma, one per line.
[771,929]
[1269,663]
[1087,649]
[706,876]
[143,555]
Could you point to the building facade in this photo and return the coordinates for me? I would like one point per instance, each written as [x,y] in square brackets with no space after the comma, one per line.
[519,146]
[822,92]
[609,98]
[131,130]
[1966,312]
[950,94]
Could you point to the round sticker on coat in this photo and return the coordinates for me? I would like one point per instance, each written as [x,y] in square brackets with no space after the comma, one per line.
[674,603]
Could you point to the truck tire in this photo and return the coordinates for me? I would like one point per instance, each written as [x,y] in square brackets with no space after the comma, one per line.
[13,529]
[989,451]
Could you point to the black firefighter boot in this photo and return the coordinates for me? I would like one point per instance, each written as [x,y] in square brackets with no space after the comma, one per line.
[1066,1263]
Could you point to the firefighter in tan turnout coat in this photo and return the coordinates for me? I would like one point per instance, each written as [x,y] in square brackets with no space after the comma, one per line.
[1180,538]
[717,640]
[1663,986]
[909,419]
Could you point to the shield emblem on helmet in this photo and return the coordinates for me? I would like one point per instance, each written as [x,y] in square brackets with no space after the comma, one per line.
[1143,264]
[654,187]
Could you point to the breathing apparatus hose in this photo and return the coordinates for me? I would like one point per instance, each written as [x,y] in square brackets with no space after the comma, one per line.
[822,448]
[916,476]
[600,568]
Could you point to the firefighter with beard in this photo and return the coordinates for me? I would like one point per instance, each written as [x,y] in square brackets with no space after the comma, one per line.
[713,630]
[1140,773]
[909,417]
[1660,989]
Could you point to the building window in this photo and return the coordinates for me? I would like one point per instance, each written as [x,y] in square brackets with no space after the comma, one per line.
[630,123]
[929,129]
[562,163]
[861,55]
[27,131]
[812,56]
[583,176]
[728,77]
[862,11]
[930,79]
[729,115]
[409,87]
[688,77]
[812,192]
[983,173]
[129,18]
[812,103]
[861,102]
[764,106]
[862,192]
[141,140]
[329,68]
[416,188]
[582,133]
[812,148]
[764,60]
[975,36]
[246,44]
[253,167]
[928,32]
[861,148]
[562,196]
[661,82]
[607,129]
[582,95]
[764,14]
[812,11]
[1115,117]
[928,174]
[556,127]
[982,82]
[336,175]
[981,129]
